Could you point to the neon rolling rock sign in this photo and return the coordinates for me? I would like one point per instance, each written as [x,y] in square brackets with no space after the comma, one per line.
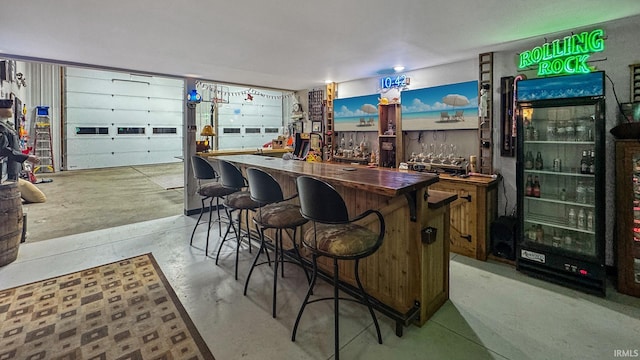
[568,55]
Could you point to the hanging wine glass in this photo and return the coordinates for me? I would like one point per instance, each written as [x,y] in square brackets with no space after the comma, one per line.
[443,150]
[432,151]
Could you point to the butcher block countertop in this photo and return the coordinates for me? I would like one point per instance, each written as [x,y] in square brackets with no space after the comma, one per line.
[387,182]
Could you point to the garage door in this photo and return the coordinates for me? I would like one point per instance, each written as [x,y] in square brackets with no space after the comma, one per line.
[118,119]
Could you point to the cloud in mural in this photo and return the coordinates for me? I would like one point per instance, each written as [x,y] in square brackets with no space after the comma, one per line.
[345,112]
[418,106]
[369,109]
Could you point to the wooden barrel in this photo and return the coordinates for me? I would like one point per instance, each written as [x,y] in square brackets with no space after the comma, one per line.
[10,222]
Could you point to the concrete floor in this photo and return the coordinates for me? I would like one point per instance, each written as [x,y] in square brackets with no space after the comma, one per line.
[494,312]
[85,200]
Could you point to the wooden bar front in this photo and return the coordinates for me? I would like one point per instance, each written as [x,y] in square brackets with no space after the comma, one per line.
[410,268]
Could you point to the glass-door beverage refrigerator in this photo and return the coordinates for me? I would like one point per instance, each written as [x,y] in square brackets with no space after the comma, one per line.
[560,180]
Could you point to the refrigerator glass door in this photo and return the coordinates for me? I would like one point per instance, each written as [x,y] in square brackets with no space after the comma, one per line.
[559,178]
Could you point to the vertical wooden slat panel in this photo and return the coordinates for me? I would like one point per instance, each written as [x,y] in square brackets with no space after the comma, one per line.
[395,274]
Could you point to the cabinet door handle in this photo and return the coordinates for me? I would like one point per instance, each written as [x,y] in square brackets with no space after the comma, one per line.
[468,197]
[466,237]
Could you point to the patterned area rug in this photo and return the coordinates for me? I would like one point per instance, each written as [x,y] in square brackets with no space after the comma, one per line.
[123,310]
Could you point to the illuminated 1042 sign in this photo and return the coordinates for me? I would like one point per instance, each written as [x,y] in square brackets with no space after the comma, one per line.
[566,56]
[396,81]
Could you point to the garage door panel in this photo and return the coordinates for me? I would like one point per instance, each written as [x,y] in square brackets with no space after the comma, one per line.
[174,105]
[166,92]
[117,119]
[81,161]
[81,116]
[110,144]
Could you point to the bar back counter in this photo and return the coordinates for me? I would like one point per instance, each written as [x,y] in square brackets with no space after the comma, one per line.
[408,277]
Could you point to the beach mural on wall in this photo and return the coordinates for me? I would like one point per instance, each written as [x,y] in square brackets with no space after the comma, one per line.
[445,107]
[358,113]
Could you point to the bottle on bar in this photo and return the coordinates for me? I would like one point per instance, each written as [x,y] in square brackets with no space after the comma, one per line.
[592,162]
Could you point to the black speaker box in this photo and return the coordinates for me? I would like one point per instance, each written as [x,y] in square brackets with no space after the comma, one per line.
[503,237]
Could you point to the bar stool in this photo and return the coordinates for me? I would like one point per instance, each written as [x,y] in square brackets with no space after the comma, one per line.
[239,200]
[335,236]
[274,213]
[203,170]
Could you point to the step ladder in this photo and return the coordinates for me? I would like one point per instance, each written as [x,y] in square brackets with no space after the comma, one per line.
[329,135]
[42,147]
[485,123]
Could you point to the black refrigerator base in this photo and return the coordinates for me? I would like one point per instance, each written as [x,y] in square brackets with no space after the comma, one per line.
[595,286]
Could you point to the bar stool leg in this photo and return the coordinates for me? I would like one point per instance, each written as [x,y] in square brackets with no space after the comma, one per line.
[255,260]
[238,241]
[261,232]
[229,216]
[314,275]
[219,220]
[246,218]
[281,253]
[277,244]
[299,257]
[197,222]
[365,298]
[336,326]
[206,248]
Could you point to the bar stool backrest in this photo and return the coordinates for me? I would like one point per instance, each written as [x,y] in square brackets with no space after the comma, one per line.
[320,201]
[231,175]
[202,169]
[263,187]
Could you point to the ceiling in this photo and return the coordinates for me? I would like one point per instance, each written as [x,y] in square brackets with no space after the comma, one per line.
[284,44]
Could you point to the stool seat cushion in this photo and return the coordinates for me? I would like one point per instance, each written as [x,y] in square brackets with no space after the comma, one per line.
[240,200]
[280,216]
[341,240]
[214,190]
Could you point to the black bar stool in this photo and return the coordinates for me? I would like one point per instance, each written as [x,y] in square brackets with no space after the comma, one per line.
[274,213]
[203,170]
[239,200]
[335,236]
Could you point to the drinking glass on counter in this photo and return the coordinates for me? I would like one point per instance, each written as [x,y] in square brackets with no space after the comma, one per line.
[452,151]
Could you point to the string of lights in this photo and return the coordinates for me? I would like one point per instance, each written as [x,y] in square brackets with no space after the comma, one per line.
[221,92]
